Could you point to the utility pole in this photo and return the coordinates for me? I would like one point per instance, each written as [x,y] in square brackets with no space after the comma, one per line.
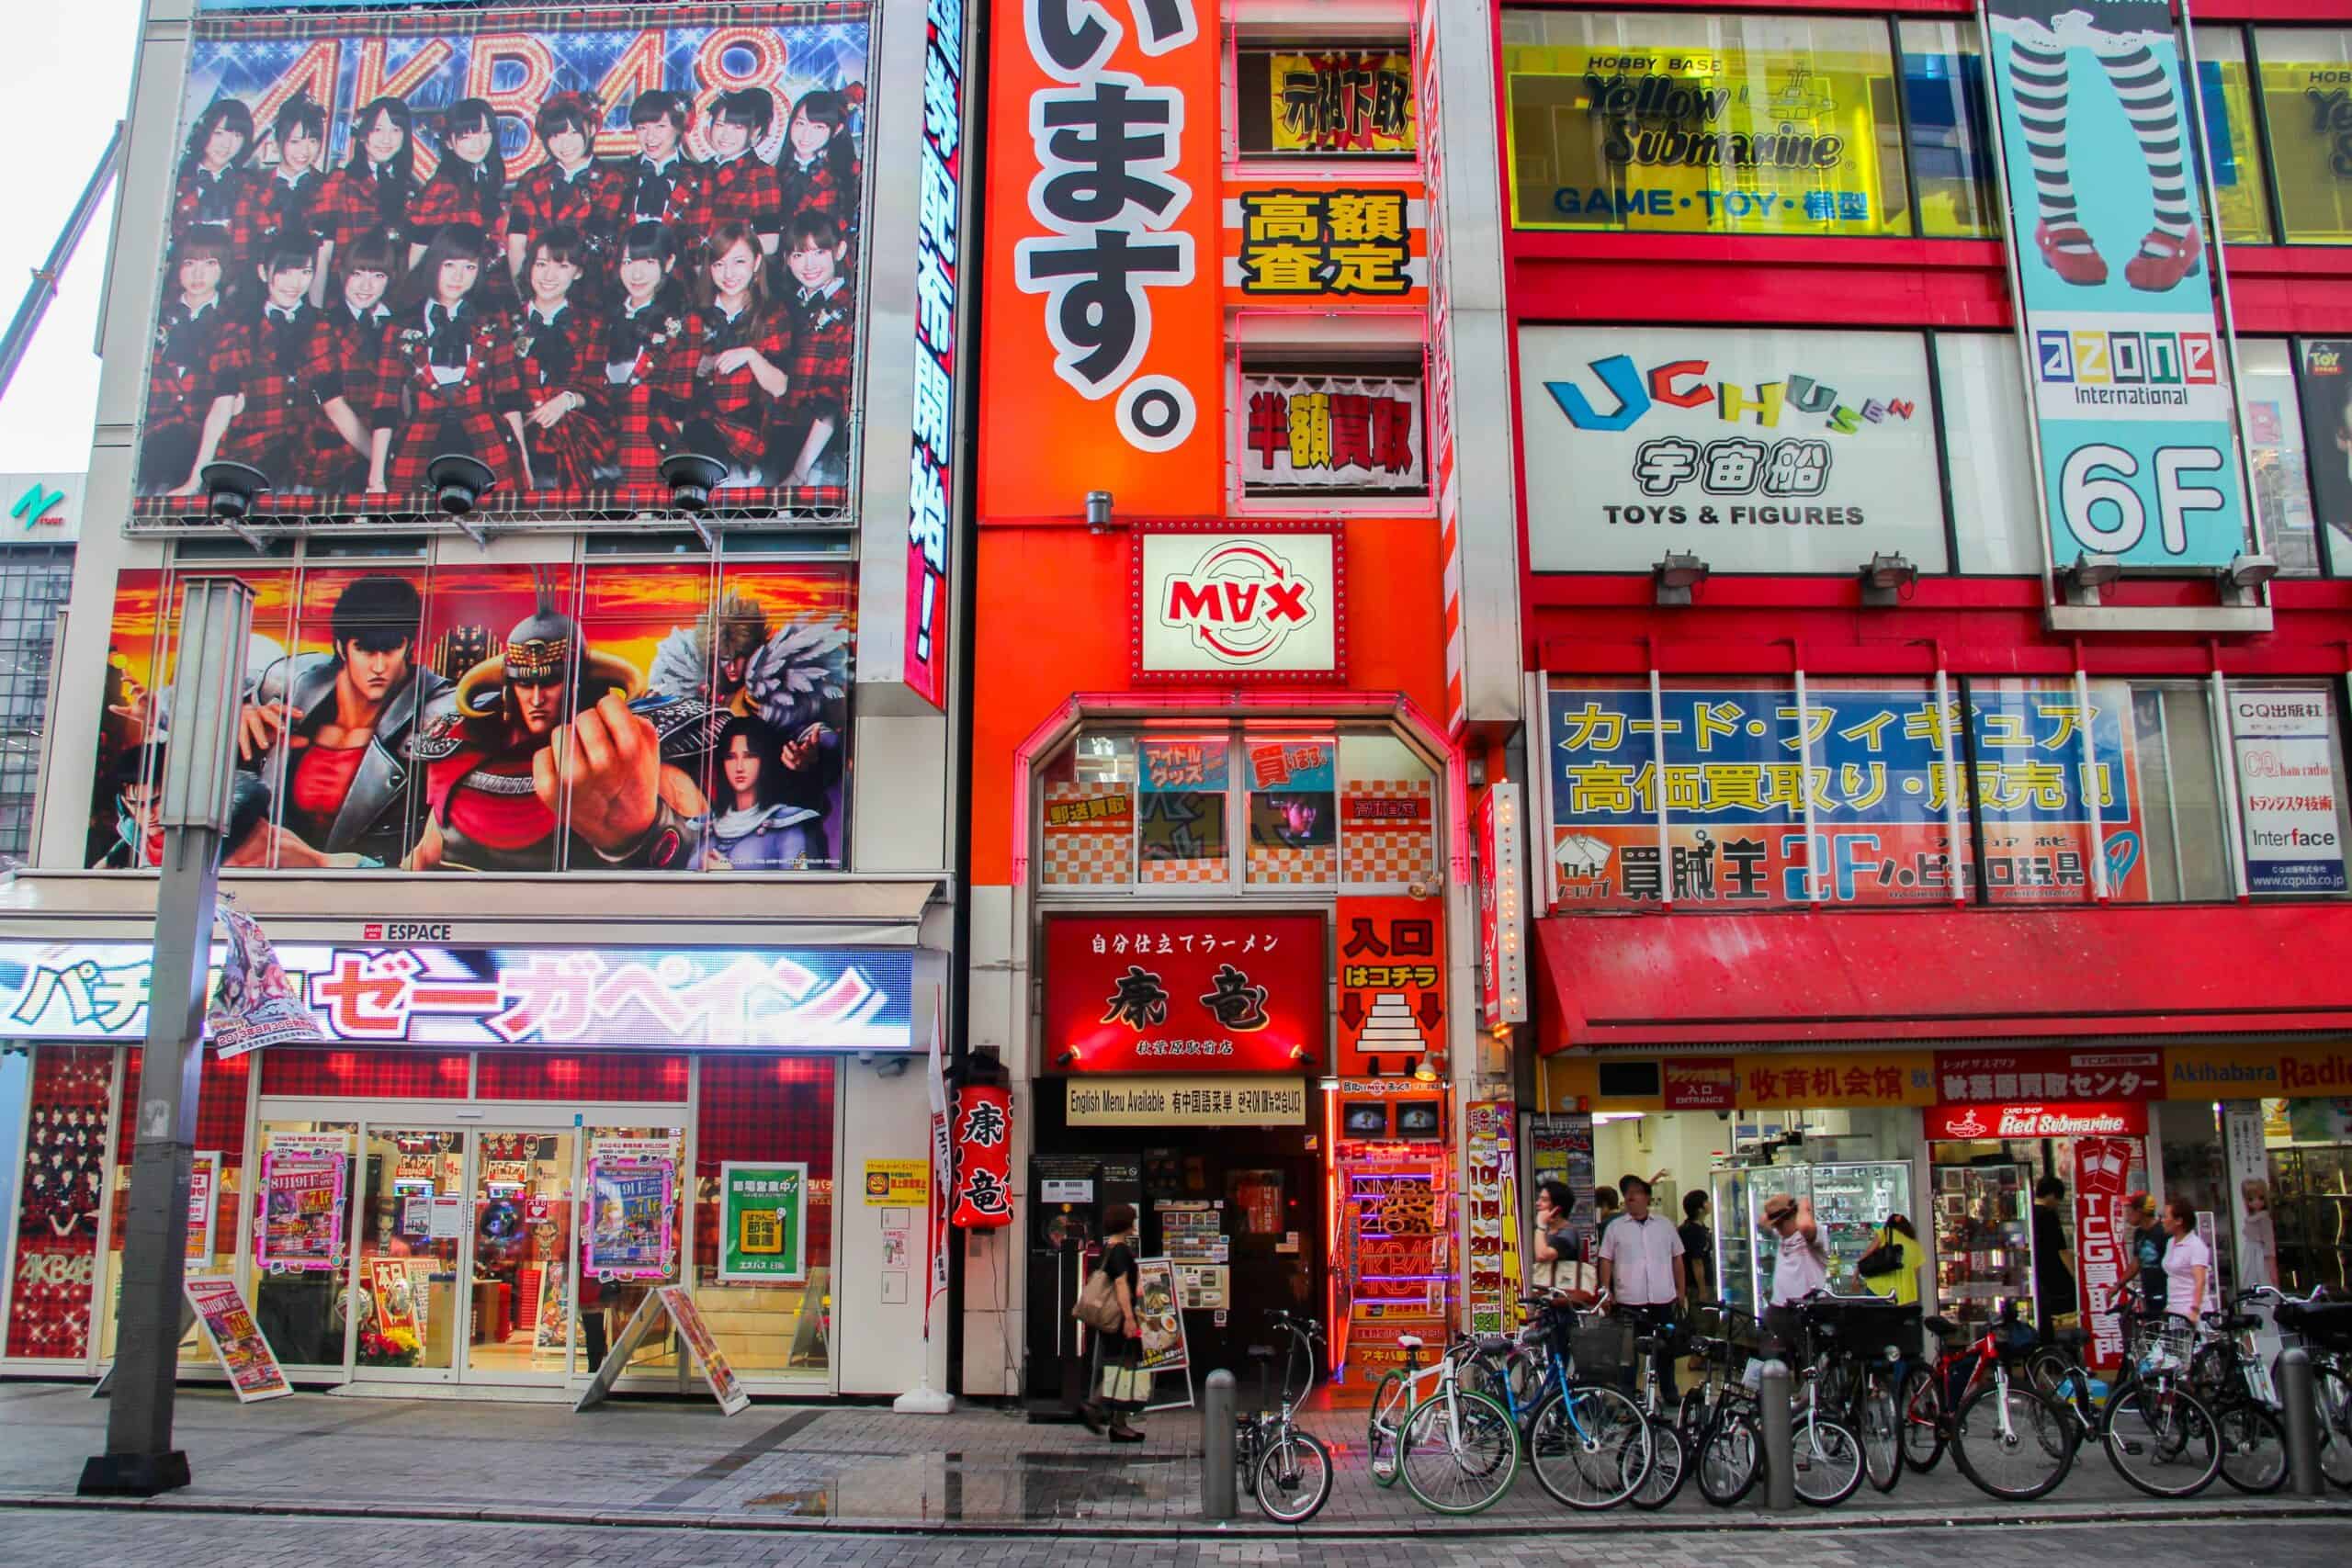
[216,616]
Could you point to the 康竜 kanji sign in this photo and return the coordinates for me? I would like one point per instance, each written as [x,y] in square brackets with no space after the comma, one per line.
[1184,993]
[1392,984]
[982,1128]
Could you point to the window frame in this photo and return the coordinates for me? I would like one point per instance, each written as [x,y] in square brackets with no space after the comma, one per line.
[1396,35]
[1277,341]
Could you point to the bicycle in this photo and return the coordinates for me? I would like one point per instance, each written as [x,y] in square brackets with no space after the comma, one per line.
[1825,1454]
[1286,1468]
[2326,1329]
[1669,1467]
[1863,1360]
[2012,1441]
[1456,1450]
[1587,1442]
[2228,1375]
[2158,1436]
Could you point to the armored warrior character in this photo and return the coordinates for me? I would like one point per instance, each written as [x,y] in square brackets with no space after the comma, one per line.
[523,736]
[332,732]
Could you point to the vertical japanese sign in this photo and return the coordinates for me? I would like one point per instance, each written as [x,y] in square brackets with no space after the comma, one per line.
[2102,1239]
[2130,370]
[763,1222]
[1102,225]
[1493,1191]
[983,1156]
[2294,837]
[1445,483]
[1502,928]
[930,497]
[1392,984]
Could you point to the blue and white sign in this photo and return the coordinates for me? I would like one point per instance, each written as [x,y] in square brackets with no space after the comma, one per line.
[2129,369]
[820,999]
[2294,817]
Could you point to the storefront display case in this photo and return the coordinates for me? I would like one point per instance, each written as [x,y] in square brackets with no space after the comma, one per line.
[2311,1189]
[1984,1242]
[1850,1202]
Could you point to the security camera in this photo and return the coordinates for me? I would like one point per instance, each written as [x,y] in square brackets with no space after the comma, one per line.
[691,477]
[231,488]
[458,481]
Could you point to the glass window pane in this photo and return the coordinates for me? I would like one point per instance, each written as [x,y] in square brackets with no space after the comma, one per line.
[2292,795]
[1980,387]
[2178,833]
[1090,821]
[2324,390]
[1182,837]
[1294,810]
[2274,441]
[1388,812]
[1750,125]
[767,1112]
[2307,102]
[2029,781]
[1326,100]
[1949,140]
[2231,150]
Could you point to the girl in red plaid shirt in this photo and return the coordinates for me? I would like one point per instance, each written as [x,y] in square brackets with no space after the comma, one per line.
[179,378]
[648,357]
[818,167]
[661,184]
[469,185]
[278,203]
[570,188]
[560,353]
[264,368]
[374,189]
[451,358]
[811,450]
[352,398]
[212,169]
[738,184]
[742,345]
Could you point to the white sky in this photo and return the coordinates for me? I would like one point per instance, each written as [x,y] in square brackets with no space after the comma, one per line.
[64,80]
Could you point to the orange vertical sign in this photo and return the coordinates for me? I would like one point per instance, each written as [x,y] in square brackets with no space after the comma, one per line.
[1100,360]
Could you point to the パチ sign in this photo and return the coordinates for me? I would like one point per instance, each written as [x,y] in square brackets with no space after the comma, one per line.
[2120,1118]
[1331,432]
[983,1131]
[1183,993]
[1757,450]
[2286,755]
[1242,606]
[2129,369]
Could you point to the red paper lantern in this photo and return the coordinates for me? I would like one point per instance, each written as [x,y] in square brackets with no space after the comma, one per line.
[983,1133]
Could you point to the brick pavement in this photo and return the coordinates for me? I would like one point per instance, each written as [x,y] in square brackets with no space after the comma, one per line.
[839,1467]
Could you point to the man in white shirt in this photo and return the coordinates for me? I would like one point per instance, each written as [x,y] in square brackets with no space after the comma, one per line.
[1641,1269]
[1799,1266]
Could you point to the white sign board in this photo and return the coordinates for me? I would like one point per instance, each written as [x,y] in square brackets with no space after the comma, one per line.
[1755,449]
[1245,604]
[2294,838]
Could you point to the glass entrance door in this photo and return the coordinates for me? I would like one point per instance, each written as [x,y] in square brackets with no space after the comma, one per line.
[522,1211]
[413,1219]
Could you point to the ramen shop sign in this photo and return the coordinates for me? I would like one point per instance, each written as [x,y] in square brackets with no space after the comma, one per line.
[1255,605]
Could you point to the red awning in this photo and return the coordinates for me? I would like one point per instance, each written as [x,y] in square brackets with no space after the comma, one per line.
[1945,974]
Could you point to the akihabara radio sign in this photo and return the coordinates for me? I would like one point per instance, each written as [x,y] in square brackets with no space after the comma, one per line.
[1265,604]
[1756,450]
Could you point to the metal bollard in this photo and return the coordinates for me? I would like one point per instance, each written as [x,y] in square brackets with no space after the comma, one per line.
[1778,1441]
[2293,1369]
[1216,1446]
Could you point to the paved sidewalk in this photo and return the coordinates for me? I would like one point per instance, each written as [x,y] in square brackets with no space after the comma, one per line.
[859,1468]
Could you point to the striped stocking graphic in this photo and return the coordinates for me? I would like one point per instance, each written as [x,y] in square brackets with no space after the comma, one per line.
[2037,78]
[2144,88]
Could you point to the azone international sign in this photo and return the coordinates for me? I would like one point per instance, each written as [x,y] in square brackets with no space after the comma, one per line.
[823,999]
[1265,603]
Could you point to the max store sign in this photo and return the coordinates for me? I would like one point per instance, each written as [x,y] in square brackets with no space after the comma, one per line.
[1248,607]
[833,999]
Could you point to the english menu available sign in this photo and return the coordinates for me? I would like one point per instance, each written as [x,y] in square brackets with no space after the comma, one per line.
[1181,993]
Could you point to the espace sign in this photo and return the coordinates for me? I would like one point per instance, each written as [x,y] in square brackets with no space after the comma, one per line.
[1268,603]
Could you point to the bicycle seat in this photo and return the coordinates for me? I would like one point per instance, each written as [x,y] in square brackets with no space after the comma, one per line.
[1500,1342]
[1409,1341]
[1644,1343]
[1942,1327]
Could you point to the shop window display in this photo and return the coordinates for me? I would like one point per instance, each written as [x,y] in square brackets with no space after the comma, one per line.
[2303,91]
[60,1194]
[214,1191]
[2275,450]
[1327,99]
[2233,150]
[1948,129]
[774,1112]
[299,1238]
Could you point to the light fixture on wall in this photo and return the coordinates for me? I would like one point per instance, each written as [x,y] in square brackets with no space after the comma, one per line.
[1677,578]
[1425,1071]
[2243,579]
[1067,1058]
[2091,573]
[230,489]
[1098,511]
[1885,577]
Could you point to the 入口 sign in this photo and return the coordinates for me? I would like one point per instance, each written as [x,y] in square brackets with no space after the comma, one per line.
[1248,605]
[1223,1101]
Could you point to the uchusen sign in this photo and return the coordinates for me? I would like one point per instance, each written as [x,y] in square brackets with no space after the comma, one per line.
[1248,605]
[2115,1119]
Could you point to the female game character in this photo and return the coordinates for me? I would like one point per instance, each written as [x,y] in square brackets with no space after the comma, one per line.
[820,163]
[469,185]
[742,345]
[751,826]
[279,203]
[738,185]
[374,189]
[354,400]
[178,380]
[570,188]
[452,358]
[559,351]
[212,169]
[649,357]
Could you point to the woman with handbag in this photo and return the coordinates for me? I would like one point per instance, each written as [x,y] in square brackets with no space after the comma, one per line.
[1892,1267]
[1107,1306]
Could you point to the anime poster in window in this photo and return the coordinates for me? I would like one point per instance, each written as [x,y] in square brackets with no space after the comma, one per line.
[62,1185]
[134,728]
[301,1227]
[1181,837]
[1293,811]
[567,245]
[632,1204]
[781,640]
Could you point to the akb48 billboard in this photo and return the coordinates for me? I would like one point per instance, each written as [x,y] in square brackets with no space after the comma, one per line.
[568,243]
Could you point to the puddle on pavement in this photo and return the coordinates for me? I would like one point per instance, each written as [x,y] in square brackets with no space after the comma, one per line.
[1055,1485]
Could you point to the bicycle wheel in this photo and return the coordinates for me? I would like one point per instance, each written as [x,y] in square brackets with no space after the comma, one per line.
[1591,1447]
[2333,1393]
[1294,1478]
[1878,1423]
[1828,1459]
[1458,1452]
[2254,1447]
[1921,1401]
[1388,1410]
[1730,1459]
[2162,1440]
[1669,1468]
[2012,1442]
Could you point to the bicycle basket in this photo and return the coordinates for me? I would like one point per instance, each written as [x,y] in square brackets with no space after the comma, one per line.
[1601,1349]
[1867,1330]
[2162,1344]
[2325,1326]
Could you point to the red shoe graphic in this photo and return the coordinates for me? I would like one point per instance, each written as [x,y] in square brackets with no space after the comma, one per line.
[2165,259]
[2067,248]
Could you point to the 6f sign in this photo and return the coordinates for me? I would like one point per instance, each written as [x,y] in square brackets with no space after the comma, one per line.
[1245,605]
